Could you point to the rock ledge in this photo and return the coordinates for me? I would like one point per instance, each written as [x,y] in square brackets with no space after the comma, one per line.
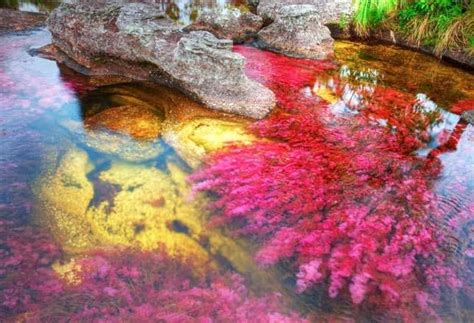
[138,41]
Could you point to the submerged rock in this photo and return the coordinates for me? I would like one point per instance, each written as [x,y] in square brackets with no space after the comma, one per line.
[119,145]
[195,138]
[329,10]
[149,209]
[229,24]
[298,32]
[138,41]
[135,121]
[133,206]
[64,195]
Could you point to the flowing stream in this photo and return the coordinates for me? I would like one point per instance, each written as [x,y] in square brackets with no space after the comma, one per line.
[99,218]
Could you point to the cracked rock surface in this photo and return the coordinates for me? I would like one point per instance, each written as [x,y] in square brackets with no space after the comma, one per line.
[329,10]
[138,41]
[229,24]
[298,31]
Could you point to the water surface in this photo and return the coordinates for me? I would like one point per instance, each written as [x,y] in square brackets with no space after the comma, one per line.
[94,194]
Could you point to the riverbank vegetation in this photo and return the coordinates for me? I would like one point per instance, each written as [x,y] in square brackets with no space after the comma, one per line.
[440,24]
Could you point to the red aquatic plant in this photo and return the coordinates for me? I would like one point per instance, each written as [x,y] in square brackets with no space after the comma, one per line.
[120,286]
[343,199]
[131,286]
[462,106]
[108,286]
[123,285]
[26,278]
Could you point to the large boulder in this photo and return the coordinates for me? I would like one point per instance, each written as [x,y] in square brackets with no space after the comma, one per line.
[229,24]
[329,10]
[139,41]
[298,32]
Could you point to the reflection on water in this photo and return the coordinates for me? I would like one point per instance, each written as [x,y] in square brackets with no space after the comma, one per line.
[408,71]
[98,219]
[183,11]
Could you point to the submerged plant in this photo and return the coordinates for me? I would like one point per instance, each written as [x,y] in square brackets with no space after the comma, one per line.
[343,201]
[154,287]
[125,285]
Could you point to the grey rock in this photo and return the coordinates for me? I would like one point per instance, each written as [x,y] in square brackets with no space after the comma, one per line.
[298,32]
[468,116]
[229,24]
[329,10]
[138,41]
[253,3]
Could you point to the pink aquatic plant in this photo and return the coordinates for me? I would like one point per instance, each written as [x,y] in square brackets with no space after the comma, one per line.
[26,278]
[119,286]
[154,287]
[344,200]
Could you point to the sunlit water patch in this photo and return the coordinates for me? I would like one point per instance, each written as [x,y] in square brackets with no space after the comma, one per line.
[352,200]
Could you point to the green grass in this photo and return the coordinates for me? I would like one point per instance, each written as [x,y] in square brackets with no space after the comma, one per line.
[442,24]
[370,13]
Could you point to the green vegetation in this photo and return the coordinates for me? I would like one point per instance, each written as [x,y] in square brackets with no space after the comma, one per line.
[44,6]
[371,13]
[443,24]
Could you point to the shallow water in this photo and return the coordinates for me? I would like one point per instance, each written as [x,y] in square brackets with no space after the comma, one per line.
[92,204]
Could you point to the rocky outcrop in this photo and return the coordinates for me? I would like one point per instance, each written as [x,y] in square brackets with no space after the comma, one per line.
[13,20]
[229,24]
[298,32]
[329,10]
[138,41]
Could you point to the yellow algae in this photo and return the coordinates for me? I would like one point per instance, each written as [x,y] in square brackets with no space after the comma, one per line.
[68,271]
[151,210]
[143,207]
[140,206]
[193,139]
[135,121]
[63,197]
[325,93]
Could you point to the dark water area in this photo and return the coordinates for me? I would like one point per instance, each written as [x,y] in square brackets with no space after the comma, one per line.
[353,201]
